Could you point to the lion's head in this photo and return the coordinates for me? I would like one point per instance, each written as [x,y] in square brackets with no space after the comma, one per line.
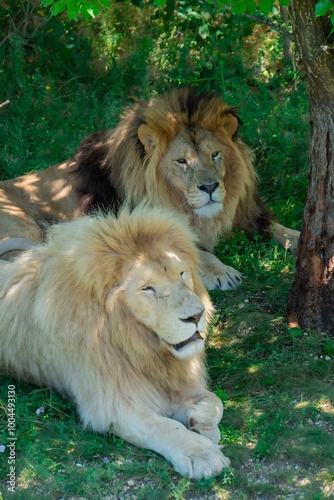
[181,150]
[188,143]
[160,295]
[143,268]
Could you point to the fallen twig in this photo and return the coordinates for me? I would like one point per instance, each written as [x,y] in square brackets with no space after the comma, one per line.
[4,103]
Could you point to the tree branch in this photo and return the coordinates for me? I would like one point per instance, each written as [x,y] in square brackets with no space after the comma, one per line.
[264,20]
[274,26]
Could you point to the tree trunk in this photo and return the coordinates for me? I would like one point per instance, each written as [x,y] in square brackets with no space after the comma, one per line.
[311,299]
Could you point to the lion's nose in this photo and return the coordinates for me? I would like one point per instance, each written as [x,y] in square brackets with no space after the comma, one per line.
[193,319]
[209,188]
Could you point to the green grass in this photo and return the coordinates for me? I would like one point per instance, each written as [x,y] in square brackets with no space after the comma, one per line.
[277,387]
[276,384]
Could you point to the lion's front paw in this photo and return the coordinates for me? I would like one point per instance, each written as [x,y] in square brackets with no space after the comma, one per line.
[210,431]
[216,275]
[198,463]
[224,278]
[204,417]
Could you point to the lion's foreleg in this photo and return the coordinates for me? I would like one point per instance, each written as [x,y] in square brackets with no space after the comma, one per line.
[191,454]
[202,415]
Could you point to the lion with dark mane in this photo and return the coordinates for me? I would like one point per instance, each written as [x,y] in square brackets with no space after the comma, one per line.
[112,312]
[180,150]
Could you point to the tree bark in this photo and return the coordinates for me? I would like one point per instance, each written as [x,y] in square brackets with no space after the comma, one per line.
[311,299]
[287,52]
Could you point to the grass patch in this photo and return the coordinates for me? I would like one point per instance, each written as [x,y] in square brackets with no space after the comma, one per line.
[69,79]
[277,387]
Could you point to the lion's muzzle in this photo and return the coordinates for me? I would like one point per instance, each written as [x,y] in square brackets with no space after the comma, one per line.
[209,187]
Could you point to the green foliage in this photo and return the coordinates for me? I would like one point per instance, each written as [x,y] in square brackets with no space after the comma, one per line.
[250,6]
[87,9]
[91,8]
[325,7]
[67,79]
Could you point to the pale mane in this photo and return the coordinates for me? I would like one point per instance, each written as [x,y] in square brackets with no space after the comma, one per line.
[112,312]
[78,272]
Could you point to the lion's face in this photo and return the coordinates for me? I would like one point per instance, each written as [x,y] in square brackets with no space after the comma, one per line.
[159,294]
[194,166]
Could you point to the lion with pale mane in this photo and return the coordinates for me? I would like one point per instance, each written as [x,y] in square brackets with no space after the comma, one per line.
[112,312]
[178,150]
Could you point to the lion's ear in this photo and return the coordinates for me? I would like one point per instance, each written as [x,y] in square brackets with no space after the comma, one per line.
[230,123]
[146,137]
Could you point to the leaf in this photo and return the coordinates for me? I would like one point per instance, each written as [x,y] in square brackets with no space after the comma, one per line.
[46,3]
[224,3]
[250,6]
[58,7]
[238,7]
[322,8]
[332,19]
[105,3]
[93,8]
[285,3]
[73,9]
[194,15]
[203,31]
[160,3]
[265,6]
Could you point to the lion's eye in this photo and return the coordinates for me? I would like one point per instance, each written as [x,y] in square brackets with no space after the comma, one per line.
[149,291]
[182,161]
[216,155]
[186,278]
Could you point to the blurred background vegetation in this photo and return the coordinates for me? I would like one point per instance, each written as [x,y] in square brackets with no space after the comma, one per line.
[67,78]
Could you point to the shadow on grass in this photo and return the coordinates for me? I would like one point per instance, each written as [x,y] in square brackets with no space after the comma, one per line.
[278,425]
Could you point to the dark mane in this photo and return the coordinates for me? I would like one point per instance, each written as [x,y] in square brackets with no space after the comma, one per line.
[94,187]
[106,160]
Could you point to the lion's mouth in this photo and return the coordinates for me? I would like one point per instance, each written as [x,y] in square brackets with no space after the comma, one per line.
[209,209]
[209,203]
[196,336]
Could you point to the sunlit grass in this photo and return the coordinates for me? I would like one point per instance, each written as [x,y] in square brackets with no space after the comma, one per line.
[277,427]
[276,384]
